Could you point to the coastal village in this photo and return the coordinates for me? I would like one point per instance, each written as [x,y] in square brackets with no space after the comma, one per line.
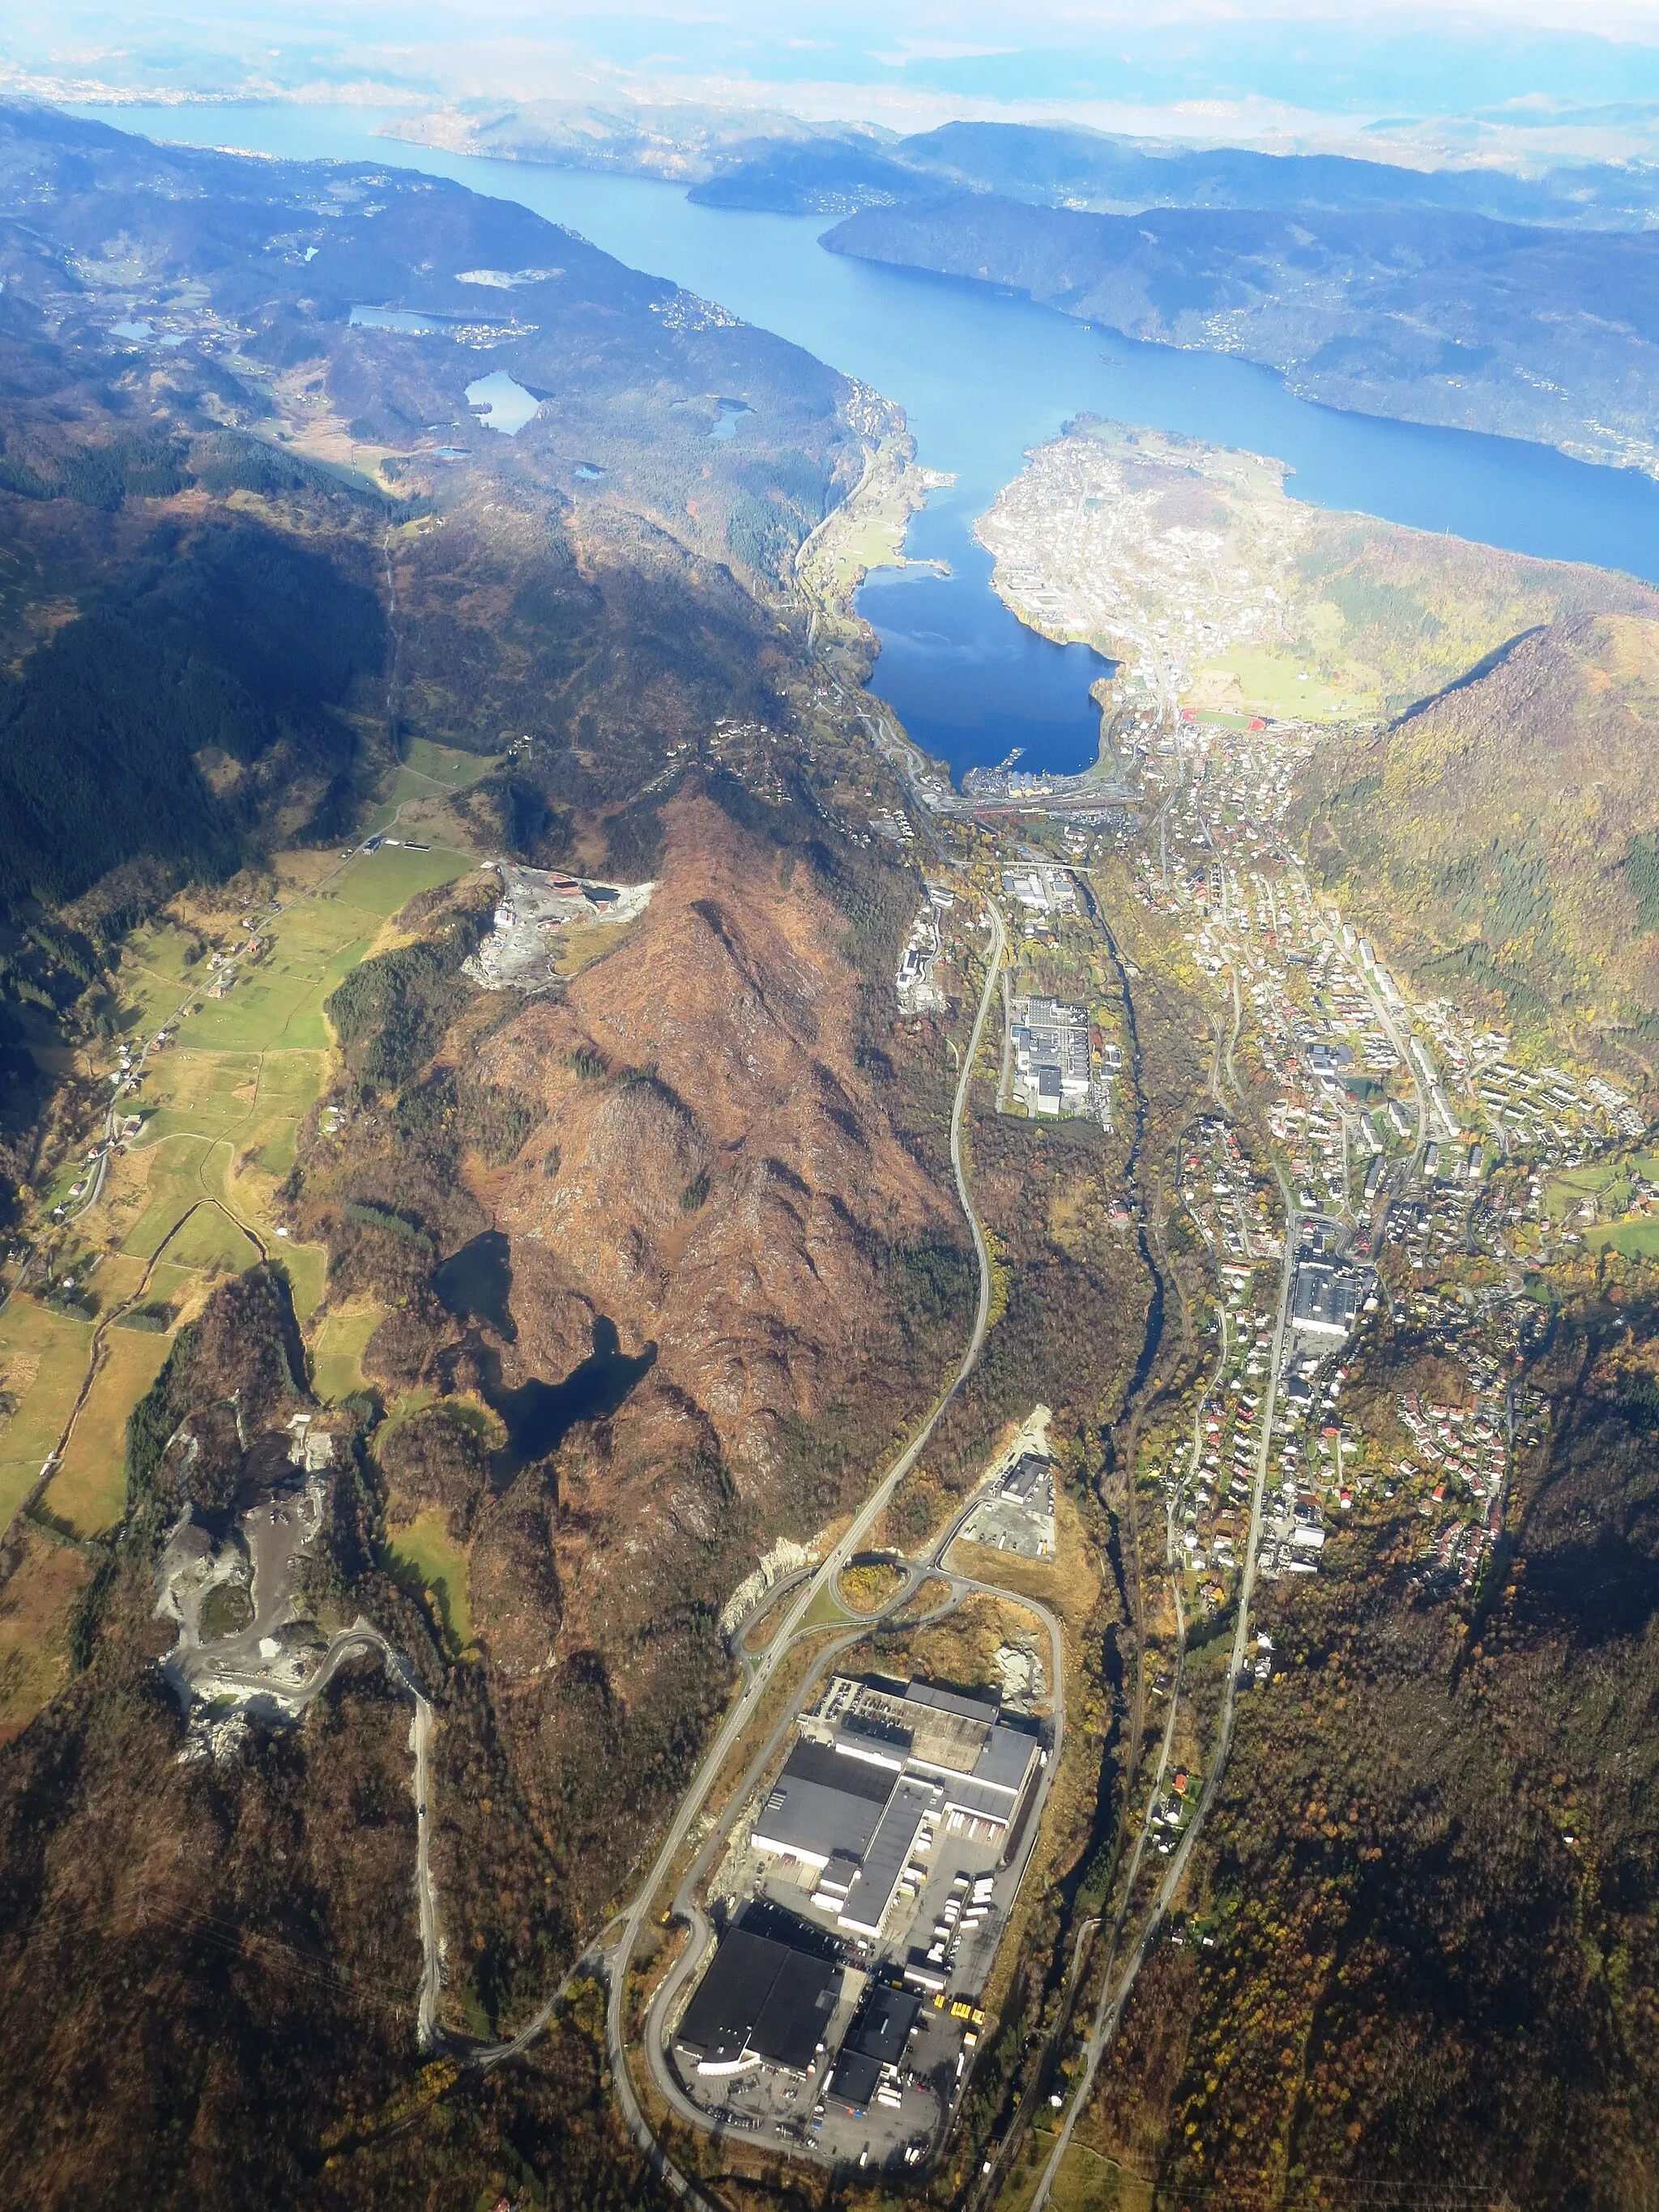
[1177,557]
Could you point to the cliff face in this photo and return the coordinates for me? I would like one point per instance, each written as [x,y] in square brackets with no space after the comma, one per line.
[1508,828]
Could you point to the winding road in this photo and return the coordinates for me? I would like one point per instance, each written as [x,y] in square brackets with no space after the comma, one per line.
[617,1953]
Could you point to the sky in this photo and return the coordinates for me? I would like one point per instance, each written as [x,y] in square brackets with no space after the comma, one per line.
[1538,72]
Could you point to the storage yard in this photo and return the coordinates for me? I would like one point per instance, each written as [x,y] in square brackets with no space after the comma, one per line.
[1019,1514]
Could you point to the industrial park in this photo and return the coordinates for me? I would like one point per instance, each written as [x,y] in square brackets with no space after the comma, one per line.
[865,1895]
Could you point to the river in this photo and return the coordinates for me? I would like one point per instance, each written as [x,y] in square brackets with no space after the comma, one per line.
[983,376]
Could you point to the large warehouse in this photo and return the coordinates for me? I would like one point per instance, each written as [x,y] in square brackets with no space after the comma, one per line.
[875,2047]
[876,1772]
[760,2001]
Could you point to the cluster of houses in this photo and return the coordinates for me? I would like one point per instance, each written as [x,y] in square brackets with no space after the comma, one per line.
[1228,1204]
[1404,1128]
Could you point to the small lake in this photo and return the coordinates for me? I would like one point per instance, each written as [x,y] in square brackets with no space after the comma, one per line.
[983,376]
[505,406]
[476,1283]
[407,320]
[730,412]
[540,1415]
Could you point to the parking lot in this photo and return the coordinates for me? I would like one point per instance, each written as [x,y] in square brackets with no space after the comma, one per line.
[1018,1514]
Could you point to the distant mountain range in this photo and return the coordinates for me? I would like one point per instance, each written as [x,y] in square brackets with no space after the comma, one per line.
[762,159]
[1472,297]
[1090,170]
[680,142]
[1432,314]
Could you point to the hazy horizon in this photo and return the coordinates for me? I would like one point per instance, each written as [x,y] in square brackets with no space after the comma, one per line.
[1428,85]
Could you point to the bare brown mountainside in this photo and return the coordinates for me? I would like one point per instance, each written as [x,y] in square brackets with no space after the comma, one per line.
[725,1170]
[733,992]
[767,1297]
[1505,832]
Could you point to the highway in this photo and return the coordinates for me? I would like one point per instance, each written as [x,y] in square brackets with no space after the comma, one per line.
[731,1731]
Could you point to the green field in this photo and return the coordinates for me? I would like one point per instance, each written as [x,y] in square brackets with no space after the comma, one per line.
[222,1106]
[276,1003]
[180,1175]
[226,1099]
[43,1360]
[337,1352]
[825,1611]
[432,771]
[1272,684]
[1633,1240]
[447,765]
[171,1285]
[404,1407]
[427,1552]
[211,1242]
[89,1490]
[307,1269]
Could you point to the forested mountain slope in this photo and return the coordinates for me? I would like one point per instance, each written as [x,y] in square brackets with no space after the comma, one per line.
[258,560]
[252,550]
[1416,1959]
[1507,832]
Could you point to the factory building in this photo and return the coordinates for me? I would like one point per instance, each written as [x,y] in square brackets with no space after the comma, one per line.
[876,1773]
[762,2001]
[1327,1299]
[1052,1055]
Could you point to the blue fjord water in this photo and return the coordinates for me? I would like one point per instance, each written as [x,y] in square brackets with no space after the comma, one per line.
[983,376]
